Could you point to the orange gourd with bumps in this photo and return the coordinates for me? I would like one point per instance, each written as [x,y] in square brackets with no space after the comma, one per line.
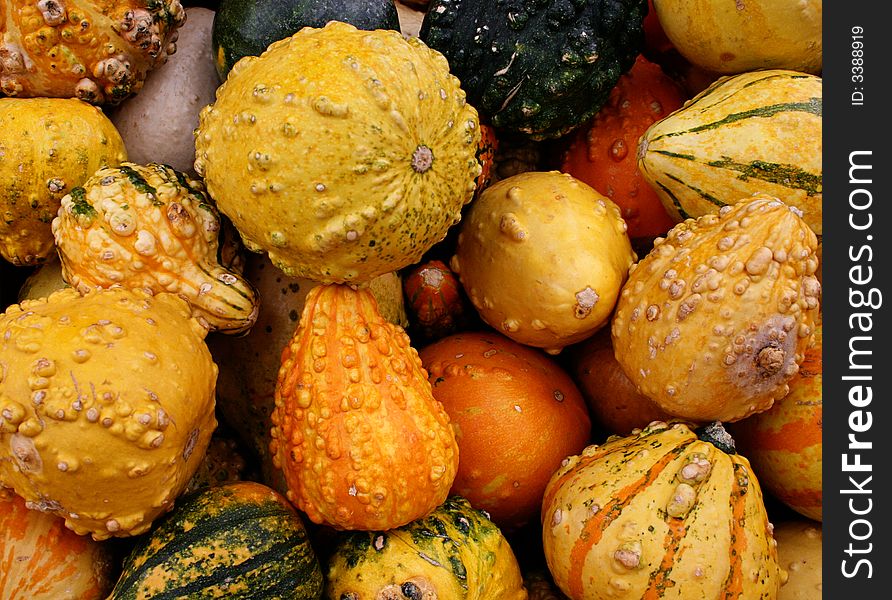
[360,438]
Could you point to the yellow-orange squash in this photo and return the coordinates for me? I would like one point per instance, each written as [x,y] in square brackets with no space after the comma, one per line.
[456,552]
[106,406]
[341,153]
[95,50]
[504,395]
[714,322]
[357,432]
[665,512]
[542,256]
[249,364]
[800,552]
[747,35]
[42,560]
[152,227]
[785,443]
[48,146]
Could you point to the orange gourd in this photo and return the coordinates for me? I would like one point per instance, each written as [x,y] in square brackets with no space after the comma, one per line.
[42,560]
[604,153]
[435,301]
[356,430]
[486,154]
[612,398]
[95,50]
[784,444]
[517,413]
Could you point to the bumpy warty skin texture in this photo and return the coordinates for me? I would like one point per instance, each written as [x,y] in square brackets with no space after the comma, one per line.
[95,50]
[537,68]
[106,406]
[152,227]
[714,322]
[343,154]
[47,147]
[357,432]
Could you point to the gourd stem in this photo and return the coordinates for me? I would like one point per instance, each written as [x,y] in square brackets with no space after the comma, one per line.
[716,434]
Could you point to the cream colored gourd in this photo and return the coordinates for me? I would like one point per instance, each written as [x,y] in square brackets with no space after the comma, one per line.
[343,154]
[543,256]
[755,132]
[746,35]
[663,513]
[158,123]
[106,406]
[152,227]
[48,146]
[714,322]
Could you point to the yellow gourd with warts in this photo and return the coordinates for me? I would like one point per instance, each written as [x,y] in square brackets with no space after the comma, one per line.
[106,406]
[666,512]
[714,322]
[48,146]
[543,256]
[152,227]
[343,154]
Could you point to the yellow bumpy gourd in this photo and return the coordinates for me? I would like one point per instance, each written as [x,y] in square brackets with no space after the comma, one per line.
[106,406]
[343,154]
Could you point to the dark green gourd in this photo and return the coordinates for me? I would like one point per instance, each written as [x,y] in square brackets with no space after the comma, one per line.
[538,68]
[247,27]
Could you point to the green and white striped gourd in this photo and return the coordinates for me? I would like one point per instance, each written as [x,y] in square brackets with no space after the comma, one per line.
[759,131]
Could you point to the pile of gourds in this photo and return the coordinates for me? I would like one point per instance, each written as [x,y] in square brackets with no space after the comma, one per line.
[372,300]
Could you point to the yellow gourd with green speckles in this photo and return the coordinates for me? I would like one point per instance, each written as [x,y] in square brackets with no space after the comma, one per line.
[47,147]
[343,154]
[106,406]
[152,227]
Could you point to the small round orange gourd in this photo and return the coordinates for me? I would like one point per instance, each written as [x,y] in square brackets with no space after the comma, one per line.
[356,430]
[612,398]
[504,395]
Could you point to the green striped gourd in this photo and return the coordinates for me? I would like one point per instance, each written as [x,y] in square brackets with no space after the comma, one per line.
[665,512]
[236,541]
[759,131]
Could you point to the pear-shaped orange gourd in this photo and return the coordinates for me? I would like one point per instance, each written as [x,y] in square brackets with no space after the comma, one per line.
[357,432]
